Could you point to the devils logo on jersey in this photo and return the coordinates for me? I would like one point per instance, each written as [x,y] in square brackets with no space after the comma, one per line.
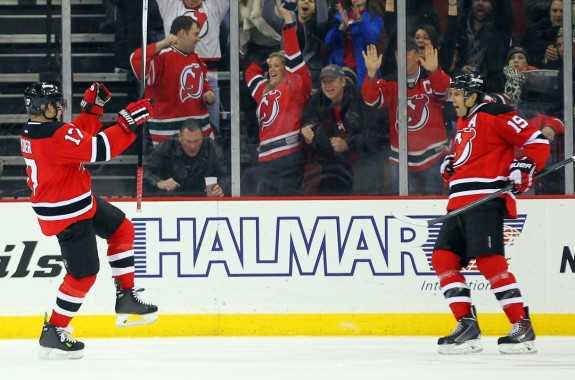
[418,112]
[202,19]
[192,82]
[269,108]
[463,145]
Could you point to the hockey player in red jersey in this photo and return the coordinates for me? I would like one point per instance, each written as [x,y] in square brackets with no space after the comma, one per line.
[281,100]
[62,199]
[481,162]
[176,79]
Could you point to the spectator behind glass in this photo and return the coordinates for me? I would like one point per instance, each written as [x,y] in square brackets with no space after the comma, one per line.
[176,80]
[427,137]
[210,15]
[427,34]
[312,25]
[484,37]
[258,39]
[333,127]
[353,29]
[517,61]
[539,39]
[421,14]
[281,100]
[178,166]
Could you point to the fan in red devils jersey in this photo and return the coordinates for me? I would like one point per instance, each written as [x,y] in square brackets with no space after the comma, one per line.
[482,162]
[176,80]
[62,199]
[427,138]
[281,101]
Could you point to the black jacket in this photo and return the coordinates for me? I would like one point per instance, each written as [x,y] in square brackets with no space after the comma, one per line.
[319,112]
[168,160]
[537,37]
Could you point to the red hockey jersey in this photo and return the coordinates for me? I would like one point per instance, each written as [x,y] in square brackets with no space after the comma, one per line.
[484,148]
[426,138]
[54,154]
[176,81]
[280,110]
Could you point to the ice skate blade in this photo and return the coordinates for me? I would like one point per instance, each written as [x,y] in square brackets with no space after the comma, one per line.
[518,348]
[470,347]
[128,320]
[48,353]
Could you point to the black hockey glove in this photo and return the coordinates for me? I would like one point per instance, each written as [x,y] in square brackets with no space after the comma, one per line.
[94,99]
[135,114]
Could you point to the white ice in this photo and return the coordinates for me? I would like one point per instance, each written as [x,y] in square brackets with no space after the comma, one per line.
[297,358]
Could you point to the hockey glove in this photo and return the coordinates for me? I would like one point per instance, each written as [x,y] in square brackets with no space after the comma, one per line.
[94,99]
[446,168]
[135,114]
[521,173]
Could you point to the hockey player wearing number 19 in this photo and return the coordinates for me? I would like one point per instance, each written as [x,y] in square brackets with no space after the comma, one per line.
[62,199]
[481,162]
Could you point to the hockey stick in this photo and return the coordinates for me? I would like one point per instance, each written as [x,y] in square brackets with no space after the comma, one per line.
[140,136]
[507,188]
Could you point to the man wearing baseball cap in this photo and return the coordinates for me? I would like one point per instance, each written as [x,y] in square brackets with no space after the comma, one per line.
[332,131]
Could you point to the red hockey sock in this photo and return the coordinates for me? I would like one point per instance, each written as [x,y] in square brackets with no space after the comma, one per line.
[121,254]
[448,268]
[503,284]
[70,297]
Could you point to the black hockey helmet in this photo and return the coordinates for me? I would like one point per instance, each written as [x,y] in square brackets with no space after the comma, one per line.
[470,83]
[38,95]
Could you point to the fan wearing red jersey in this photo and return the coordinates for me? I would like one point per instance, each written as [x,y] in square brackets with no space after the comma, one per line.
[427,141]
[176,79]
[55,153]
[281,100]
[481,162]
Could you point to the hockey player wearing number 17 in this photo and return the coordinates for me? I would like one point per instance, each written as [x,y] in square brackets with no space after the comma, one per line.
[481,162]
[62,199]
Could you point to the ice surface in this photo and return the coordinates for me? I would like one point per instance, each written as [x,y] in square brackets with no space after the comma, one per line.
[294,358]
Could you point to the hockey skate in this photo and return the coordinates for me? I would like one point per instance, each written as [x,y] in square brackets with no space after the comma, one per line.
[521,338]
[55,343]
[465,339]
[131,310]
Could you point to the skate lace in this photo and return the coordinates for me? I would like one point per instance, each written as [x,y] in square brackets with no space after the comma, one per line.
[135,293]
[457,329]
[64,334]
[518,329]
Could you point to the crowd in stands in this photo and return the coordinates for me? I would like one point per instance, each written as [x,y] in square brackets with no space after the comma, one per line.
[319,119]
[332,138]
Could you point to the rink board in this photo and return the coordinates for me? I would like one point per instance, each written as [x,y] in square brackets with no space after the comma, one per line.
[290,267]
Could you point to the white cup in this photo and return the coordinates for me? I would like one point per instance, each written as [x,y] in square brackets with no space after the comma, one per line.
[210,182]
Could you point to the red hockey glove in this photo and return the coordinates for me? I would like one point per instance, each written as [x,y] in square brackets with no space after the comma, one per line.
[94,99]
[522,171]
[135,114]
[446,168]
